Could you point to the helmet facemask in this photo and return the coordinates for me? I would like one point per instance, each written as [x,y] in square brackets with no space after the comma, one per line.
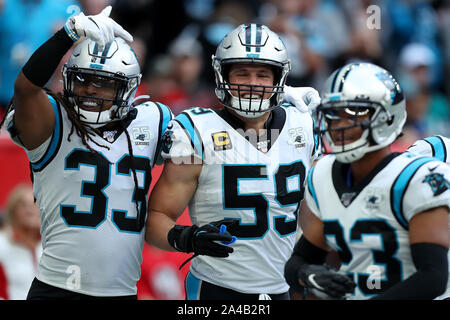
[256,103]
[342,140]
[103,109]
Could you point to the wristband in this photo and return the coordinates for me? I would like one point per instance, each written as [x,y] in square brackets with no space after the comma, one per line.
[69,27]
[180,237]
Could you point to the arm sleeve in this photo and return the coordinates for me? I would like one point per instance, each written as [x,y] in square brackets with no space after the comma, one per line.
[44,61]
[304,253]
[430,279]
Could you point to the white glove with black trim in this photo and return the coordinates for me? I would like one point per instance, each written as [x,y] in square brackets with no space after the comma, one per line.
[305,99]
[99,28]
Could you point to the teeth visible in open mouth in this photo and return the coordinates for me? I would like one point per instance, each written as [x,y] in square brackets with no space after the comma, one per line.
[251,96]
[90,104]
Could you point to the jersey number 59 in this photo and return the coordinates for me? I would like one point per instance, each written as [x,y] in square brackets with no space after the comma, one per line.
[258,202]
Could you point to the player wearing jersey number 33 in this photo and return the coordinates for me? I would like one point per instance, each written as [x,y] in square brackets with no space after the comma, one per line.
[241,170]
[91,154]
[385,213]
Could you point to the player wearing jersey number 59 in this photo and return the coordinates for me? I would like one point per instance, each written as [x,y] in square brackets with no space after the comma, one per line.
[242,166]
[91,154]
[385,213]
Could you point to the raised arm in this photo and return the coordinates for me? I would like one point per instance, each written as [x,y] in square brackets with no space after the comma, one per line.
[34,116]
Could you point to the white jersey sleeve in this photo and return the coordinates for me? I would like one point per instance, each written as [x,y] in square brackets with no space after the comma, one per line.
[438,147]
[165,116]
[426,189]
[181,139]
[434,146]
[37,153]
[314,146]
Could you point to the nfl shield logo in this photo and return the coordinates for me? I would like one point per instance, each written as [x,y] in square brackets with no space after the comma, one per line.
[109,136]
[347,198]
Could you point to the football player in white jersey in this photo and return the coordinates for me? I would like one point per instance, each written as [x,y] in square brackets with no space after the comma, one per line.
[241,168]
[91,154]
[438,147]
[385,213]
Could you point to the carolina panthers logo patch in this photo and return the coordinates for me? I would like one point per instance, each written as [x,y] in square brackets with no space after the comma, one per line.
[166,141]
[437,183]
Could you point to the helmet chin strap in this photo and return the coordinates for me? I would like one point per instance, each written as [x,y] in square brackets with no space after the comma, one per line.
[352,151]
[357,149]
[250,115]
[94,119]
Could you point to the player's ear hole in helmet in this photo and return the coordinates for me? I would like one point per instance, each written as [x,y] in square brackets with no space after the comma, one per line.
[363,98]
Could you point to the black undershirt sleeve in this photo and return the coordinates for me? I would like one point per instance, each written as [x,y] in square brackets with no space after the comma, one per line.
[44,61]
[304,253]
[430,279]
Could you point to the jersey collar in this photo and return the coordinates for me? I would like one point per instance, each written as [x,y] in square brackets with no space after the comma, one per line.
[346,191]
[276,121]
[118,127]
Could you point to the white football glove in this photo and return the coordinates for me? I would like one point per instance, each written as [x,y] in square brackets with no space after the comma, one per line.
[99,28]
[305,99]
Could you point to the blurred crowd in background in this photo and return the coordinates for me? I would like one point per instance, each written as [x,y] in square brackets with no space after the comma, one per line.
[175,39]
